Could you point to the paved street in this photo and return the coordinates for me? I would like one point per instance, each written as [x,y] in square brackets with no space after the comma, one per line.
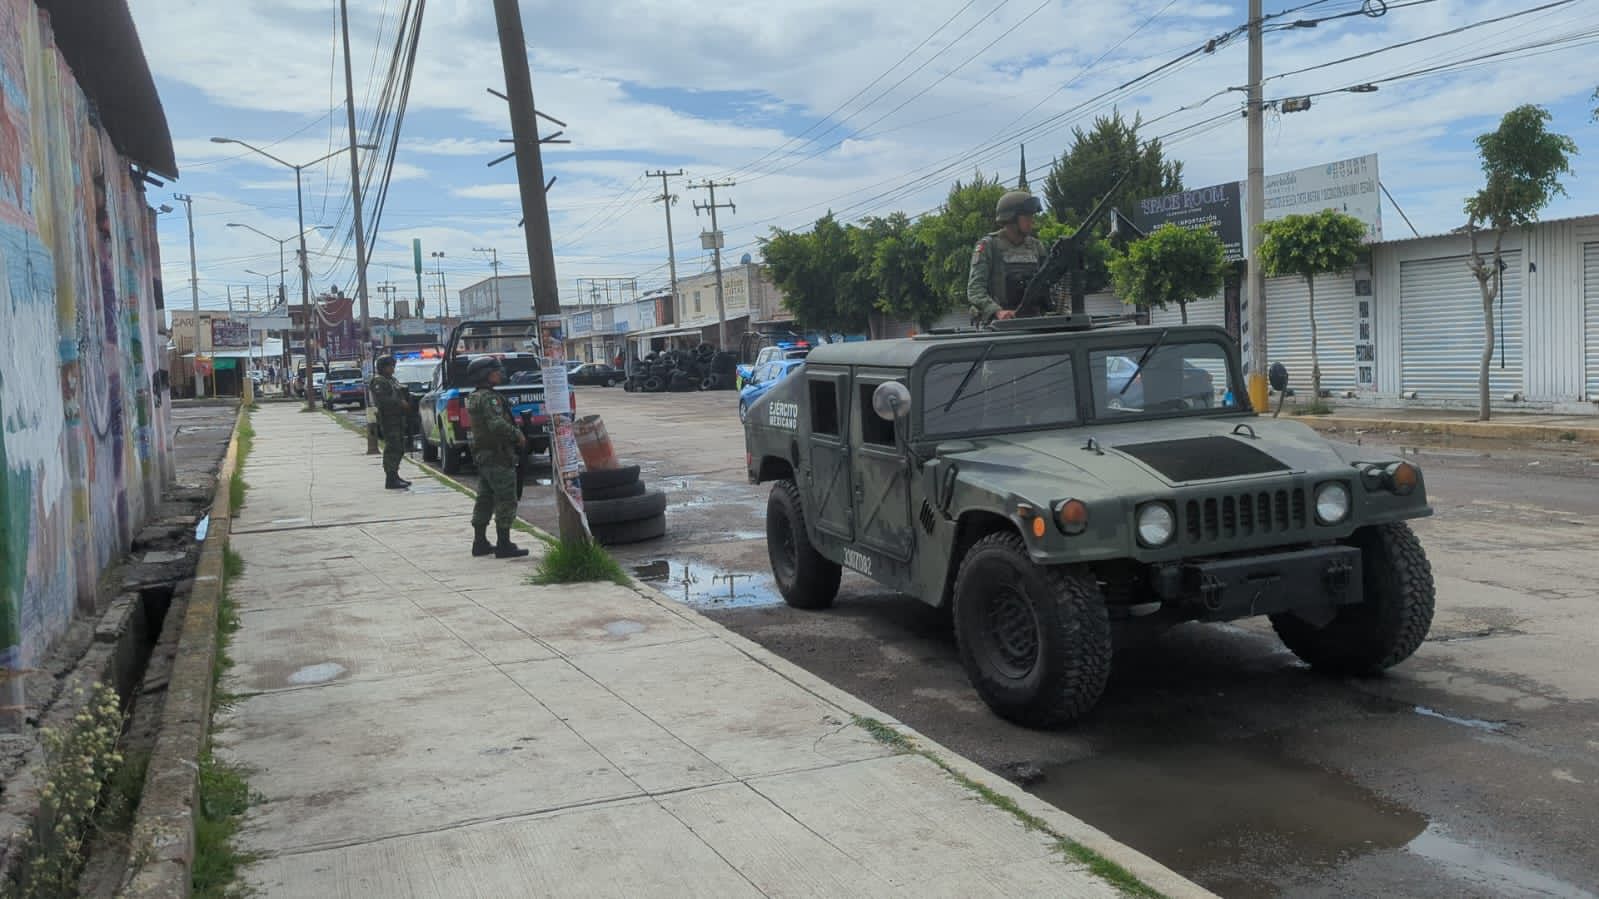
[1469,771]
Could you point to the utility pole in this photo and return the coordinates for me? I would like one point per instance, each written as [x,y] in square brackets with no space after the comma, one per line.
[194,292]
[1256,202]
[494,263]
[716,241]
[355,197]
[666,199]
[438,274]
[540,250]
[388,289]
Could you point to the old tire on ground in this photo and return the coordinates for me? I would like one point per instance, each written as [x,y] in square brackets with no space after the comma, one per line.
[629,531]
[652,384]
[1034,639]
[450,459]
[804,577]
[597,494]
[1388,624]
[627,508]
[606,478]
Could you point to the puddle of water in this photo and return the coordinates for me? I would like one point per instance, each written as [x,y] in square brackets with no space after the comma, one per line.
[707,587]
[1474,723]
[1230,817]
[1494,874]
[624,628]
[317,674]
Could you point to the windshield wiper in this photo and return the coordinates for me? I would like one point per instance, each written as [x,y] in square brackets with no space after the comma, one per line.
[1142,359]
[967,378]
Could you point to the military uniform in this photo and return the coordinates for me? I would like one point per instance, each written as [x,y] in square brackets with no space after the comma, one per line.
[494,438]
[1000,272]
[390,400]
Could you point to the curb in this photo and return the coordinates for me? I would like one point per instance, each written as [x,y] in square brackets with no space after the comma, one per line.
[161,848]
[1482,429]
[1151,872]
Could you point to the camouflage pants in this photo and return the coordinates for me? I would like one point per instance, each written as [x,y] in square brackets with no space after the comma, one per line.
[394,442]
[496,493]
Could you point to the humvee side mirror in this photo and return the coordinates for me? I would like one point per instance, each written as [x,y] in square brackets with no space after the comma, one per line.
[891,401]
[1277,376]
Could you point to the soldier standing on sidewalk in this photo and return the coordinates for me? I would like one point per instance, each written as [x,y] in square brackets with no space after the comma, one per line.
[496,442]
[393,406]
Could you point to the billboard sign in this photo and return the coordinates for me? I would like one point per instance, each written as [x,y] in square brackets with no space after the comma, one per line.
[1218,207]
[1348,185]
[227,332]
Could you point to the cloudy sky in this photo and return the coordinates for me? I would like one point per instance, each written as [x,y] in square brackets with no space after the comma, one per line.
[860,106]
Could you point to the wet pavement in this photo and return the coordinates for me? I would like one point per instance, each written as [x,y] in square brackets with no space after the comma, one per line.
[1471,770]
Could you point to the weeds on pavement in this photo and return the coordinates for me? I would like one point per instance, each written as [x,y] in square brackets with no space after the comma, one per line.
[1102,867]
[237,486]
[224,791]
[578,561]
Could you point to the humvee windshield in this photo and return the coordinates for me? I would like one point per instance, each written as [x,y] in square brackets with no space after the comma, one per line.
[999,393]
[1161,377]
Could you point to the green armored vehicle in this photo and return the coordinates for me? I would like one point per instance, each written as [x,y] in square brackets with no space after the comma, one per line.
[1065,490]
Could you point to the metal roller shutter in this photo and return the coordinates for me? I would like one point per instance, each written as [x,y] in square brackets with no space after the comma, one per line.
[1590,303]
[1208,311]
[1288,329]
[1440,325]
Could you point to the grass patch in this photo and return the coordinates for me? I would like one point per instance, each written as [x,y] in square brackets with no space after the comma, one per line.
[578,561]
[1099,865]
[1314,408]
[1568,436]
[237,486]
[224,790]
[122,793]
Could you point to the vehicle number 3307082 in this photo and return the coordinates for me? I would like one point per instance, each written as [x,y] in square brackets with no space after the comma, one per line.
[782,415]
[859,561]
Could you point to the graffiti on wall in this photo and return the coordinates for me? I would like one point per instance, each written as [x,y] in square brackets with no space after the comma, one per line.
[82,437]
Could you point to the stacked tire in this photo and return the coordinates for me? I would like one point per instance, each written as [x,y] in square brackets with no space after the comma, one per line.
[619,508]
[682,371]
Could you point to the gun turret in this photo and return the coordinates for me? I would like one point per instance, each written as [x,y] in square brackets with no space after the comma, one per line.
[1066,258]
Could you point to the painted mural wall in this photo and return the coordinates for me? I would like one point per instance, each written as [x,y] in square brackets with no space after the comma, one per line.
[83,435]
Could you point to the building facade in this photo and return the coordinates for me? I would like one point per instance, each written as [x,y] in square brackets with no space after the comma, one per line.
[507,296]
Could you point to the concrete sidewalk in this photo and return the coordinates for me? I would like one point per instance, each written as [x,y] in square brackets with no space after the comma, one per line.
[423,723]
[1516,426]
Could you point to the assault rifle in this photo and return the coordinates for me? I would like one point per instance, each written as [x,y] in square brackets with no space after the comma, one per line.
[1066,258]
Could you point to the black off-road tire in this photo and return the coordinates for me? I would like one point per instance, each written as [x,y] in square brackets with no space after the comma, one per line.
[806,579]
[1388,624]
[451,459]
[430,450]
[606,478]
[631,508]
[629,531]
[1058,610]
[599,494]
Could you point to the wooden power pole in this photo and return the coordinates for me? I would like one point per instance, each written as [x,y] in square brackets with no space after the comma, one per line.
[716,244]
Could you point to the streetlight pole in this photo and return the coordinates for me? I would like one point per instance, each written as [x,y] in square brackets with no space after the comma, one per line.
[194,292]
[305,259]
[355,196]
[1256,202]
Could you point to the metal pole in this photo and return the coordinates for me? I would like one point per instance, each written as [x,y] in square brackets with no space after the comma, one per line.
[536,215]
[716,237]
[1257,216]
[355,197]
[666,201]
[194,291]
[305,291]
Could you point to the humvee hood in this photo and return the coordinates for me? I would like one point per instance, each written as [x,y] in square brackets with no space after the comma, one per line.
[1174,451]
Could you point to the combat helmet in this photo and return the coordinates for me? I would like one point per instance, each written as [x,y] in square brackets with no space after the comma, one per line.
[478,371]
[1016,203]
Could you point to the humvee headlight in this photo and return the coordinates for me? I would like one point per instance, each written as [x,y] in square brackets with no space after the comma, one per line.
[1156,524]
[1332,503]
[1071,515]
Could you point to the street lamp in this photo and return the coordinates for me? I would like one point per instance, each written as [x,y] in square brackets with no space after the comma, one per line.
[283,267]
[305,266]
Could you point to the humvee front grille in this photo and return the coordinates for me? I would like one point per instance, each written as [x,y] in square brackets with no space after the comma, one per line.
[1237,515]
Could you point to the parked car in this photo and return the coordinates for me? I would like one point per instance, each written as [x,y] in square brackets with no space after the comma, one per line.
[764,378]
[318,375]
[1124,386]
[595,374]
[794,349]
[344,386]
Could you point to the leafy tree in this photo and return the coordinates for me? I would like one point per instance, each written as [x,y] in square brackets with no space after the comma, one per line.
[1309,245]
[1097,157]
[894,269]
[1171,265]
[1522,162]
[949,235]
[818,272]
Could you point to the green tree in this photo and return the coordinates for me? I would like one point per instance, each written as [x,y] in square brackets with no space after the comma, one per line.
[950,234]
[894,269]
[819,274]
[1171,265]
[1522,162]
[1320,243]
[1088,171]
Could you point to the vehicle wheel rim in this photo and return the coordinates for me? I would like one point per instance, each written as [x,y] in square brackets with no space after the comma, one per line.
[1011,631]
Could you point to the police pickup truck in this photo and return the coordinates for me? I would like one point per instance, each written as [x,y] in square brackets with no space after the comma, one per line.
[445,422]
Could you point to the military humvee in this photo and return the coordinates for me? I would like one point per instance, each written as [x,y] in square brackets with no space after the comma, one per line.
[1065,489]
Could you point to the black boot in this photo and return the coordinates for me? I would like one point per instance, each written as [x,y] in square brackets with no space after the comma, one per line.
[393,482]
[402,480]
[506,549]
[480,541]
